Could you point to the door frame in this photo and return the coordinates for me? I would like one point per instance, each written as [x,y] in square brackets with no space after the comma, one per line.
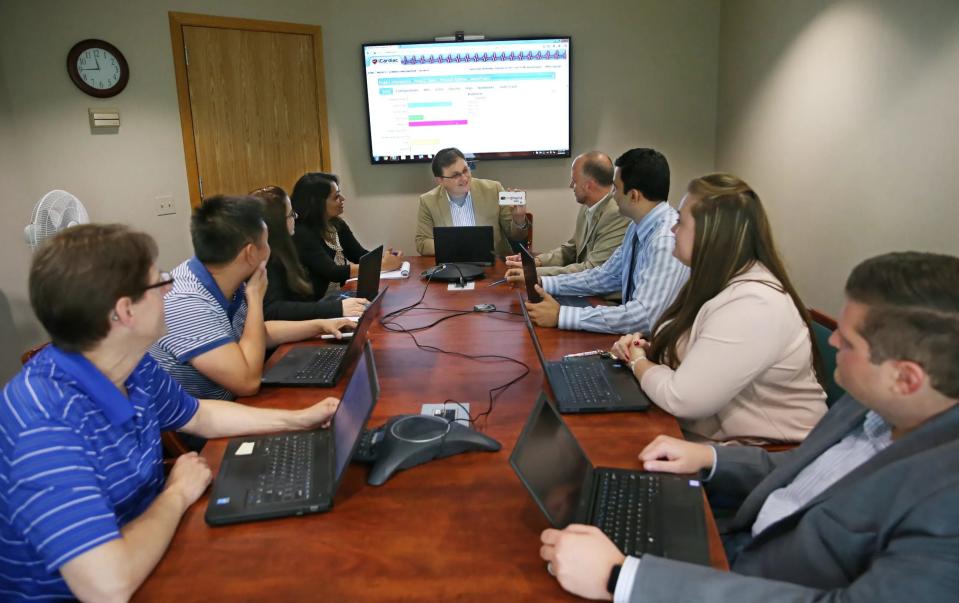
[177,21]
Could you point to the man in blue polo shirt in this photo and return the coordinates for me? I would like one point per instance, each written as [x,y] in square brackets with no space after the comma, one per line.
[216,336]
[85,511]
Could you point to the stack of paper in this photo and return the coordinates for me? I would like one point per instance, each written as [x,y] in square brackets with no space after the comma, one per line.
[403,272]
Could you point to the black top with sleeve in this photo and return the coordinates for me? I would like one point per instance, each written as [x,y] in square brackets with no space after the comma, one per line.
[282,303]
[317,256]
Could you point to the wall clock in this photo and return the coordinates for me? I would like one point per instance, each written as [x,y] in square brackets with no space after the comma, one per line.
[98,68]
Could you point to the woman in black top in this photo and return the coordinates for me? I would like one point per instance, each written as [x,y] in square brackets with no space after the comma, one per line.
[325,243]
[289,293]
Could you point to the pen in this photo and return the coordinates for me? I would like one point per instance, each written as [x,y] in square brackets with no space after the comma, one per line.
[589,353]
[499,282]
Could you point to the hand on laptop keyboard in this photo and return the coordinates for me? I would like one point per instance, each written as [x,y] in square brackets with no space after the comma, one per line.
[319,414]
[581,558]
[333,326]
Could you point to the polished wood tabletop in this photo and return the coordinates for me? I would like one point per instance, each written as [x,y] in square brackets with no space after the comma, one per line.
[458,529]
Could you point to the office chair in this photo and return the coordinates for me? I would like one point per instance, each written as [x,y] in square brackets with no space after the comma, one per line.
[823,326]
[528,242]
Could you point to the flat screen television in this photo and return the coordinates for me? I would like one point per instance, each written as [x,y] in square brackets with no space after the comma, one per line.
[492,99]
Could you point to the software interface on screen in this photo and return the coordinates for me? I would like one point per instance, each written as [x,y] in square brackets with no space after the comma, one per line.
[503,98]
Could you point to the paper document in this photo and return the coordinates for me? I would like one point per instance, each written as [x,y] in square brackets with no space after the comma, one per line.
[403,272]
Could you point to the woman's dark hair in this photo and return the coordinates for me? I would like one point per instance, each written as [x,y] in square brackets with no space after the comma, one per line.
[281,243]
[309,199]
[732,234]
[77,277]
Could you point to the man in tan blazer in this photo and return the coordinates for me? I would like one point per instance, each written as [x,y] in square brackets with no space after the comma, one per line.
[461,200]
[599,225]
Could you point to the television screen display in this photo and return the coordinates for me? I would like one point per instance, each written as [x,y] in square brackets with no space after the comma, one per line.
[492,99]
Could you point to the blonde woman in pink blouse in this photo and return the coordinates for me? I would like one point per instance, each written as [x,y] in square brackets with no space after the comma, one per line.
[733,358]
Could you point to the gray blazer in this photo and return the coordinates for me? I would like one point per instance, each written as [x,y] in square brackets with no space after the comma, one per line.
[587,249]
[887,531]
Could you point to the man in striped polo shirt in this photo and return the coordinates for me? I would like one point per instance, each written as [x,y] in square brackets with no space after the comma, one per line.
[216,336]
[85,511]
[643,269]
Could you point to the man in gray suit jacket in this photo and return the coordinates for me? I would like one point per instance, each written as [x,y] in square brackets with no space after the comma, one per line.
[461,200]
[866,509]
[599,225]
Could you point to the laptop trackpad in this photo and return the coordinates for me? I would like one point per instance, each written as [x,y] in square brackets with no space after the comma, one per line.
[683,527]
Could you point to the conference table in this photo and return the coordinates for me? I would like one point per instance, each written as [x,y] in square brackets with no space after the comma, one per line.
[461,528]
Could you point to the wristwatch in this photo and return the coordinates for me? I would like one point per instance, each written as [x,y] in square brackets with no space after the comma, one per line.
[632,363]
[613,579]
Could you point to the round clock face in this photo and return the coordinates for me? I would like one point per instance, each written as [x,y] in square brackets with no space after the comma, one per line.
[98,68]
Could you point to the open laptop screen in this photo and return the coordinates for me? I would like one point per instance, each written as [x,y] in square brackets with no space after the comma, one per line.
[529,274]
[354,410]
[532,330]
[368,282]
[551,464]
[467,244]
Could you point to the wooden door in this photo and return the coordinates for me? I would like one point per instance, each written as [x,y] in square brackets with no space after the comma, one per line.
[252,103]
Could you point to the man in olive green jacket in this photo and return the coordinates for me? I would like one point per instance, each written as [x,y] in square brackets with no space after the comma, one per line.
[461,200]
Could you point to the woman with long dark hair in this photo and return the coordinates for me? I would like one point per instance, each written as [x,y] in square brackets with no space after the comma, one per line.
[734,357]
[290,294]
[325,243]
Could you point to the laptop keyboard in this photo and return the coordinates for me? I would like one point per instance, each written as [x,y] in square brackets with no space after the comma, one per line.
[288,473]
[626,511]
[323,365]
[588,384]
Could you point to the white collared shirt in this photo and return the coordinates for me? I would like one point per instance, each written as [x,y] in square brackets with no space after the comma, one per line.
[462,210]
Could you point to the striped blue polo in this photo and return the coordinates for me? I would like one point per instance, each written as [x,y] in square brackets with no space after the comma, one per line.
[78,461]
[199,318]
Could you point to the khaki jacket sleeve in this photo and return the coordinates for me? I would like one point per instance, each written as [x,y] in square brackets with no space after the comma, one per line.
[424,228]
[562,255]
[609,236]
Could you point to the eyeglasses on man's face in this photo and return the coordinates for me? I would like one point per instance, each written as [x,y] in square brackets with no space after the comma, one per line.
[457,175]
[165,279]
[293,215]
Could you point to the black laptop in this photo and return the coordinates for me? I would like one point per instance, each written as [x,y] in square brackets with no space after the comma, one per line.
[322,365]
[641,512]
[368,279]
[263,477]
[529,274]
[464,244]
[597,383]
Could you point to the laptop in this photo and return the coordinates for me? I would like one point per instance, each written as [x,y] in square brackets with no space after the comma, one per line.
[529,274]
[368,279]
[655,513]
[263,477]
[588,383]
[322,365]
[464,244]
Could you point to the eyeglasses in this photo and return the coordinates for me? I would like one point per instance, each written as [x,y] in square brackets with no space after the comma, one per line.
[165,279]
[457,175]
[293,215]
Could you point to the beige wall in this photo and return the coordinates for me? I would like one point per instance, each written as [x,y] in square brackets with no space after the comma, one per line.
[843,116]
[644,73]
